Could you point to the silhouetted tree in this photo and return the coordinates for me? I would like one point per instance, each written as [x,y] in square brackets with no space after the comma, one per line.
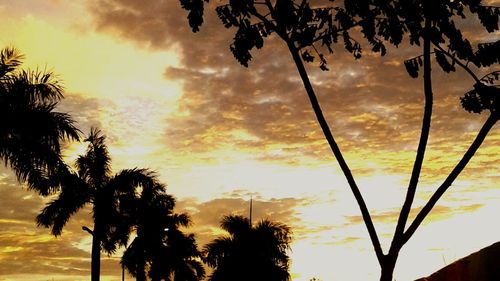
[94,184]
[433,23]
[178,259]
[308,30]
[249,252]
[31,131]
[160,249]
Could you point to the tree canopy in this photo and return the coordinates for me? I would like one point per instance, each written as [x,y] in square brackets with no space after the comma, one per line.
[94,184]
[250,252]
[31,130]
[310,29]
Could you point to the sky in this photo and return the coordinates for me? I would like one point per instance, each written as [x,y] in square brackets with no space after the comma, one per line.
[219,134]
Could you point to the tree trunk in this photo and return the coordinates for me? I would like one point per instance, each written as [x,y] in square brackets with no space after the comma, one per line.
[387,271]
[141,269]
[388,265]
[95,266]
[141,260]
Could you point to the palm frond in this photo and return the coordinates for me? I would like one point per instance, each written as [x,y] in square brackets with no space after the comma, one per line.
[177,259]
[236,225]
[33,163]
[129,258]
[215,251]
[249,253]
[10,59]
[129,179]
[31,136]
[94,165]
[117,232]
[71,199]
[181,219]
[33,87]
[190,270]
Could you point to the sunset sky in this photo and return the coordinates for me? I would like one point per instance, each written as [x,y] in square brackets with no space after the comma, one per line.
[218,134]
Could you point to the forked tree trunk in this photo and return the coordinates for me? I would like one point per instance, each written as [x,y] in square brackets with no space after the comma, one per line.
[334,147]
[387,267]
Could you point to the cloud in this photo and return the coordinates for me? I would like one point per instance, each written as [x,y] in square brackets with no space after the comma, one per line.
[263,109]
[85,111]
[207,215]
[27,248]
[439,212]
[374,108]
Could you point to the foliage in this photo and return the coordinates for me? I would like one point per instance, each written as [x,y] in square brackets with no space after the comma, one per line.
[32,132]
[296,23]
[482,97]
[304,24]
[249,253]
[93,184]
[160,248]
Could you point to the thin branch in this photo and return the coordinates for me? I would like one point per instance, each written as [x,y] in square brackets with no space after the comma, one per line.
[270,6]
[488,125]
[419,56]
[422,145]
[336,150]
[339,30]
[300,9]
[488,74]
[465,67]
[264,19]
[315,50]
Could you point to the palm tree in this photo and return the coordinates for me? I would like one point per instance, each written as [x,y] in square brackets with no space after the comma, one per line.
[178,259]
[250,253]
[31,131]
[160,249]
[94,184]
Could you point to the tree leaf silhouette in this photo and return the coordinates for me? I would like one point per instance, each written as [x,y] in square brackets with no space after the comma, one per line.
[482,97]
[443,62]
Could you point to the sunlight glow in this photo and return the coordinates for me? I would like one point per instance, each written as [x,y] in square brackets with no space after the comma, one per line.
[124,88]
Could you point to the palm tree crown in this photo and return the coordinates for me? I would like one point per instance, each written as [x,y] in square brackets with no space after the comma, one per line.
[248,252]
[94,184]
[160,249]
[32,131]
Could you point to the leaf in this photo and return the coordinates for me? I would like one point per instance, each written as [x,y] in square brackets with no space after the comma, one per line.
[195,15]
[379,47]
[491,77]
[226,17]
[285,14]
[471,102]
[246,38]
[351,46]
[487,54]
[307,57]
[443,62]
[482,97]
[413,66]
[489,17]
[323,63]
[241,7]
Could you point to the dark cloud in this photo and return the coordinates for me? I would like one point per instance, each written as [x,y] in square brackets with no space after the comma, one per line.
[207,215]
[85,111]
[439,212]
[27,248]
[371,104]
